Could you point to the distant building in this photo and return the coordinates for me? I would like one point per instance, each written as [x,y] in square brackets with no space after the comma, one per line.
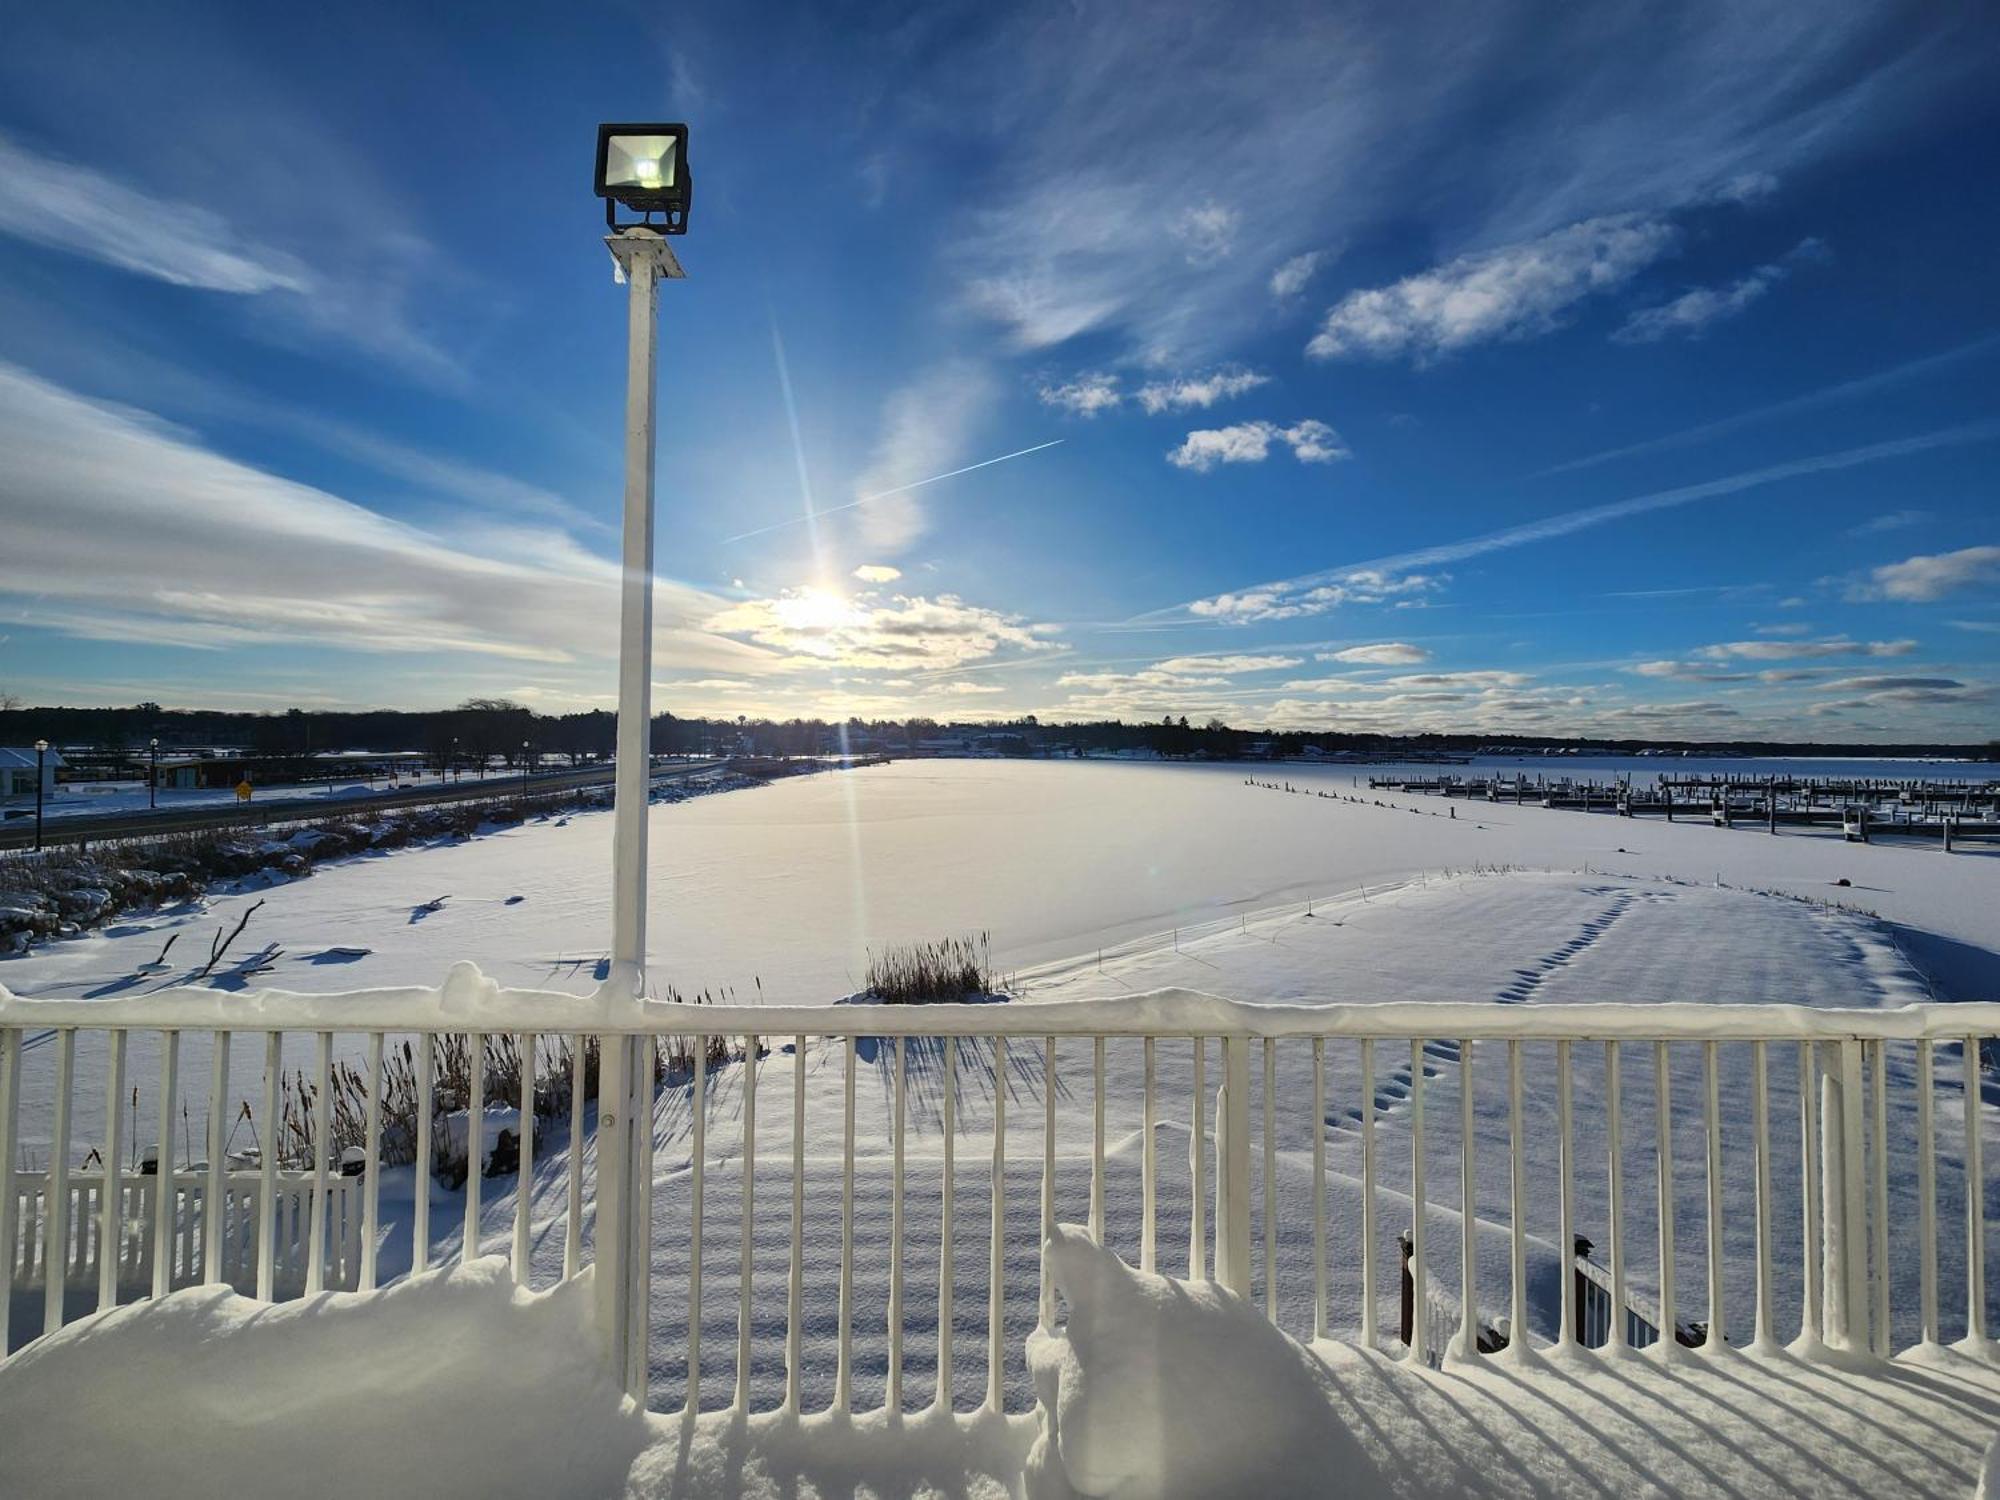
[17,772]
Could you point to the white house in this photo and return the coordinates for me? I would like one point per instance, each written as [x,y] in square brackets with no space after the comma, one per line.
[17,772]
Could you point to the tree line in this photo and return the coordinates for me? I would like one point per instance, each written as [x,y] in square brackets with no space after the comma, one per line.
[485,730]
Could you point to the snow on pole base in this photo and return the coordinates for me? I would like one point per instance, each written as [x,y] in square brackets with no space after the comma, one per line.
[1159,1388]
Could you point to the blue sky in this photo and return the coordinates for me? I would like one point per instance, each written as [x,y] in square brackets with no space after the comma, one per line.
[1539,369]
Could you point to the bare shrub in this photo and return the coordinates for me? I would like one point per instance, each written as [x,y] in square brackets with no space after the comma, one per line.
[941,971]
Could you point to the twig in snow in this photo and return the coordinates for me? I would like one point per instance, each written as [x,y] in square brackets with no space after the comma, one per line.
[221,944]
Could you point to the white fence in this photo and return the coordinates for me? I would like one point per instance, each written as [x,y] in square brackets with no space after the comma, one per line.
[137,1233]
[925,1235]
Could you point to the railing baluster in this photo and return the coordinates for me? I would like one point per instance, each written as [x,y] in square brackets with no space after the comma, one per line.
[895,1397]
[948,1106]
[573,1219]
[996,1344]
[1927,1249]
[111,1201]
[1880,1087]
[1711,1122]
[1975,1198]
[1048,1297]
[1198,1168]
[1370,1331]
[1097,1140]
[1766,1338]
[267,1168]
[1419,1283]
[1270,1180]
[212,1190]
[698,1169]
[1319,1188]
[749,1216]
[371,1182]
[795,1284]
[1567,1336]
[166,1198]
[420,1214]
[843,1380]
[1468,1213]
[1809,1143]
[1517,1209]
[1149,1174]
[475,1145]
[316,1219]
[524,1173]
[1663,1147]
[10,1098]
[1614,1112]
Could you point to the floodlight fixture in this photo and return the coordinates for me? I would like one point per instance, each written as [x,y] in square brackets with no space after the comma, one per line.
[645,168]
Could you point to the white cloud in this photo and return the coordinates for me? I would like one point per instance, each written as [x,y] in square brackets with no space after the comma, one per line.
[1922,579]
[1276,602]
[1086,396]
[1225,664]
[1696,309]
[1382,654]
[1202,391]
[1516,291]
[1292,277]
[81,211]
[1250,443]
[815,628]
[877,573]
[1209,230]
[925,427]
[1789,650]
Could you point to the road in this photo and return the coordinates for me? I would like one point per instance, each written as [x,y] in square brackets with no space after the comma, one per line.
[19,833]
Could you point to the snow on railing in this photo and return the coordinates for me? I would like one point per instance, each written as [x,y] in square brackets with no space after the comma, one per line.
[1815,1246]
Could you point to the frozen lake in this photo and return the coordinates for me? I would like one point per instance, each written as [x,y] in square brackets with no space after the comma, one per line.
[778,893]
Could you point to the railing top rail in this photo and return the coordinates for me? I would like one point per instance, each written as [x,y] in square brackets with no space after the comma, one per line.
[469,1001]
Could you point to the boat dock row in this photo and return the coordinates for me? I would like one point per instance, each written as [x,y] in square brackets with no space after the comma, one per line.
[1946,813]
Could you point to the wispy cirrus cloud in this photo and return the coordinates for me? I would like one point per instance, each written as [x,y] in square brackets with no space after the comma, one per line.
[1512,292]
[1315,593]
[1311,442]
[212,553]
[75,208]
[1691,314]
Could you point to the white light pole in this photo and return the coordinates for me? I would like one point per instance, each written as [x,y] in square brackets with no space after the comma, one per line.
[643,167]
[153,776]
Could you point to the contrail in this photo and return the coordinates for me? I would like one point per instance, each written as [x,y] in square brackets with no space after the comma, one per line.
[915,484]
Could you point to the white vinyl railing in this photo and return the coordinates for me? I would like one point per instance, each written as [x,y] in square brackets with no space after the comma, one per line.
[923,1224]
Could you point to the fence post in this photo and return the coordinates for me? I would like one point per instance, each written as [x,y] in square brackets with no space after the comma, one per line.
[1232,1169]
[1843,1171]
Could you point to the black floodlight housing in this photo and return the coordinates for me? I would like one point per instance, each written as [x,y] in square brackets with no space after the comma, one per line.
[645,168]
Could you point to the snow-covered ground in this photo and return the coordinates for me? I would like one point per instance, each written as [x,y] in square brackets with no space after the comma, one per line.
[1177,877]
[458,1384]
[779,896]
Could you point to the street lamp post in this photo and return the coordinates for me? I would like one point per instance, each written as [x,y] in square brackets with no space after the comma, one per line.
[153,776]
[524,768]
[41,754]
[456,773]
[643,168]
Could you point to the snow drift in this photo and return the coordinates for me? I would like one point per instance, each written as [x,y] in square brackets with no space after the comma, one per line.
[1160,1388]
[456,1382]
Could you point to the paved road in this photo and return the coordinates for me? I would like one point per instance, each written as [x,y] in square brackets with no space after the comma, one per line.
[19,833]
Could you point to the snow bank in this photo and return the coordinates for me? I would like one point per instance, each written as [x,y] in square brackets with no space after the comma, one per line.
[1160,1388]
[456,1382]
